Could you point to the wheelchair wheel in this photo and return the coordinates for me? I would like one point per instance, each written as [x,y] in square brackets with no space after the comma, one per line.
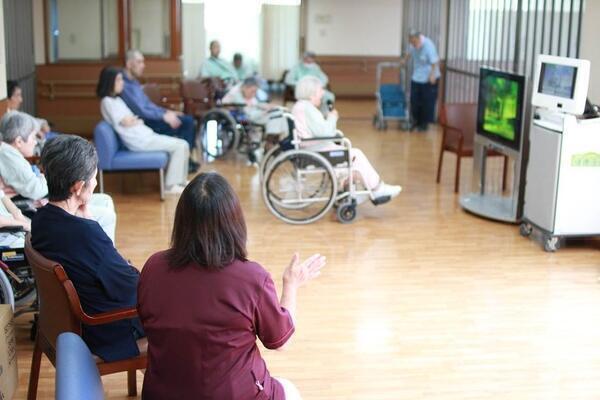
[268,160]
[218,137]
[346,213]
[299,186]
[6,293]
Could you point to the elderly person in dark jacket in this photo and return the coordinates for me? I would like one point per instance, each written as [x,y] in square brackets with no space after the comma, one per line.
[63,231]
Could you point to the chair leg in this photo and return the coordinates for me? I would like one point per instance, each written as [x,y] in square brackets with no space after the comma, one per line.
[161,177]
[457,177]
[101,180]
[34,375]
[131,383]
[439,171]
[504,172]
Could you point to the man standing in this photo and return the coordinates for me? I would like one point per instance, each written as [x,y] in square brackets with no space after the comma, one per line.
[215,67]
[425,78]
[159,119]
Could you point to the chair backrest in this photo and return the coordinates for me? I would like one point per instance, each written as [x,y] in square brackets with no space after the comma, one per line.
[461,116]
[77,376]
[57,297]
[107,144]
[152,90]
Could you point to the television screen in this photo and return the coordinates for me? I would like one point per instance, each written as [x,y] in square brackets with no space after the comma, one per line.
[500,107]
[557,80]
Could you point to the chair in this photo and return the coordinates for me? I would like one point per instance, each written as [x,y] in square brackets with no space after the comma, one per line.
[288,90]
[60,311]
[152,90]
[77,376]
[458,130]
[114,157]
[198,97]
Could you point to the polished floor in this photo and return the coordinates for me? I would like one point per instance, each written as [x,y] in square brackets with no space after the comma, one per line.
[419,299]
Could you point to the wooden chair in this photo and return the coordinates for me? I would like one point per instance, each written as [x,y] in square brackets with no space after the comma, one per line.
[458,123]
[60,311]
[152,90]
[198,96]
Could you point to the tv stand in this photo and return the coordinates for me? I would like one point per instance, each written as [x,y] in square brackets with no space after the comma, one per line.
[497,206]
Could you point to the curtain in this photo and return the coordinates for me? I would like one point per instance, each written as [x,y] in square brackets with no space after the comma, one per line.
[280,39]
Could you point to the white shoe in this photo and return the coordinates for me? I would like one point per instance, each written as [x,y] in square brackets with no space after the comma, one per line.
[385,190]
[175,190]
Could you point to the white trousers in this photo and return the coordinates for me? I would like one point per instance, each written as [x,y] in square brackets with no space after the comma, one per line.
[179,154]
[290,390]
[102,208]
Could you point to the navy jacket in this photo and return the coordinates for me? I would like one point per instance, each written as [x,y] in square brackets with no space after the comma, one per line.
[103,279]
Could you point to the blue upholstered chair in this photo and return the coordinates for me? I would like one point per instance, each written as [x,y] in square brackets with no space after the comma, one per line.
[114,157]
[77,376]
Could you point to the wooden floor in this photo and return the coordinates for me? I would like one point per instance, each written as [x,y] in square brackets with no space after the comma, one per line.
[419,299]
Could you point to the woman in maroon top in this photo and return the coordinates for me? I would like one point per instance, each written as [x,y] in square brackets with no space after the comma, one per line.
[202,304]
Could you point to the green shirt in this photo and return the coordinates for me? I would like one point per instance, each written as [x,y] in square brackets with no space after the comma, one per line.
[219,68]
[301,70]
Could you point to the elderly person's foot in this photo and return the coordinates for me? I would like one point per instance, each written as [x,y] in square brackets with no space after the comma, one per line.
[174,190]
[384,190]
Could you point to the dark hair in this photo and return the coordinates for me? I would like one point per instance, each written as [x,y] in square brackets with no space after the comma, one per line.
[237,56]
[209,228]
[67,159]
[11,86]
[106,82]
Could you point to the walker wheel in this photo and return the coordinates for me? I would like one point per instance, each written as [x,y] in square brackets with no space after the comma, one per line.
[525,229]
[551,243]
[346,213]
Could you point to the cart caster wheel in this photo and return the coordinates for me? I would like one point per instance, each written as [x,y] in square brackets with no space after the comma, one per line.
[525,229]
[551,243]
[346,213]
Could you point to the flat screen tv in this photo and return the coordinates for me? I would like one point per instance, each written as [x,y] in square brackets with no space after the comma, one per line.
[500,107]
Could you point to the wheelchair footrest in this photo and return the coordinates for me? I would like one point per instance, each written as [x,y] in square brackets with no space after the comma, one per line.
[381,200]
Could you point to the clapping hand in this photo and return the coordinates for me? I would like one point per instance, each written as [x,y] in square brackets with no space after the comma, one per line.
[298,273]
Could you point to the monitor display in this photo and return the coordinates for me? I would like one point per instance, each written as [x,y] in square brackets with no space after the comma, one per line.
[557,80]
[500,108]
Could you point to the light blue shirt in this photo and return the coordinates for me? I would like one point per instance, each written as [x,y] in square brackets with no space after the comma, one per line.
[423,60]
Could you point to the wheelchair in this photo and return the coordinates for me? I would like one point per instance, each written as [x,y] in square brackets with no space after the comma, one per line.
[17,283]
[300,185]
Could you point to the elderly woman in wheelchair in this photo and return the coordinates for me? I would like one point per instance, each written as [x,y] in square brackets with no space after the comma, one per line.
[315,167]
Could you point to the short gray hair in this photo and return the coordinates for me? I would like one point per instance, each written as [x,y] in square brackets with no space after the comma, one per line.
[307,87]
[16,124]
[132,53]
[66,160]
[414,33]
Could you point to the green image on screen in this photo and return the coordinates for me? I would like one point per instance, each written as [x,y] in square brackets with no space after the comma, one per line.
[500,109]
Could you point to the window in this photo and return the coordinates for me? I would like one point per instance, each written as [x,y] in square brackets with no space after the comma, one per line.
[82,29]
[151,27]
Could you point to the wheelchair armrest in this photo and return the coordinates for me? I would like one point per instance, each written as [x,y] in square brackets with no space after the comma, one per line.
[12,229]
[233,105]
[334,138]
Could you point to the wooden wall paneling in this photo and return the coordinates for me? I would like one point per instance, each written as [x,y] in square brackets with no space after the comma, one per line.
[353,76]
[175,29]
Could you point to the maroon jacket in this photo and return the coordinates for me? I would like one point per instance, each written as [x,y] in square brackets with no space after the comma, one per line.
[202,327]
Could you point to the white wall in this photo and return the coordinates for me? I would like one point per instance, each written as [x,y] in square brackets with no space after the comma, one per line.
[590,48]
[193,38]
[2,54]
[354,27]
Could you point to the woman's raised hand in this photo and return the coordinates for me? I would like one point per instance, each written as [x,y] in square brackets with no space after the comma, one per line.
[298,273]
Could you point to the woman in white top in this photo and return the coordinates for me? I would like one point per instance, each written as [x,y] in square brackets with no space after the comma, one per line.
[310,123]
[135,135]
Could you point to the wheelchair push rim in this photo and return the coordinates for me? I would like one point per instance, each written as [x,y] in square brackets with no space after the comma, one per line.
[218,144]
[299,187]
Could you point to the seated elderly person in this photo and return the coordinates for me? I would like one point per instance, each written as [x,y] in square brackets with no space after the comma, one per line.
[159,119]
[18,142]
[310,123]
[215,67]
[246,70]
[257,113]
[63,231]
[13,103]
[308,67]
